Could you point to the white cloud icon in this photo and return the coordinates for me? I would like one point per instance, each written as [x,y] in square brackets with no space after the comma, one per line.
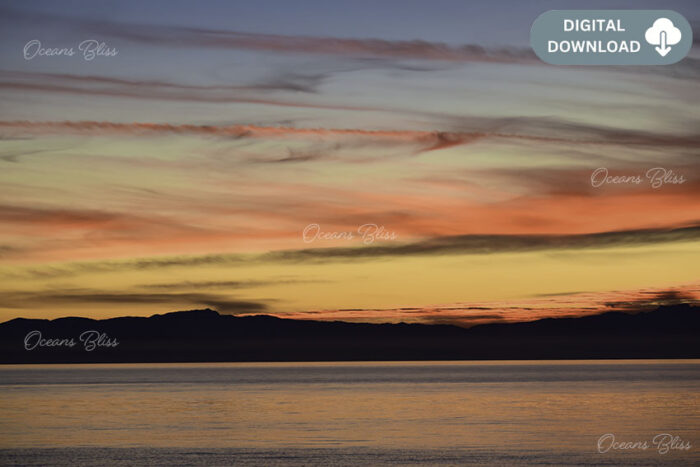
[663,25]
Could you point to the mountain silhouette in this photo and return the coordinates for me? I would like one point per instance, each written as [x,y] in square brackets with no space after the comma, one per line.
[206,335]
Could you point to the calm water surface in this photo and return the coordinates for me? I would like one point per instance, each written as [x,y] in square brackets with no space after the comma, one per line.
[385,413]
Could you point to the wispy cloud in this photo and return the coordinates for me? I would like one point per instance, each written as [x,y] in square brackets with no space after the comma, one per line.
[451,245]
[652,299]
[184,285]
[486,244]
[525,129]
[182,36]
[258,93]
[224,304]
[103,224]
[558,305]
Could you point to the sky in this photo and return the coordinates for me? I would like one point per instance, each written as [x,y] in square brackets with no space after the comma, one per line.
[367,161]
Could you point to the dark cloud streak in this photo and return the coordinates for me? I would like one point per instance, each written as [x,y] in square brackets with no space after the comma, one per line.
[467,130]
[451,245]
[77,297]
[160,90]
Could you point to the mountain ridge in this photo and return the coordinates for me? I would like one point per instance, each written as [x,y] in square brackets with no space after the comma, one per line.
[206,335]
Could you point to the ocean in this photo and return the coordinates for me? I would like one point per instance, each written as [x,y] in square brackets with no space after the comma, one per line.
[352,413]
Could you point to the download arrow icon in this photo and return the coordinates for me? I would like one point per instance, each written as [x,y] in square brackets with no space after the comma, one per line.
[663,49]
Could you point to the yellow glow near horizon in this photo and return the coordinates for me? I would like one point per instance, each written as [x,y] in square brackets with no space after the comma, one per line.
[383,282]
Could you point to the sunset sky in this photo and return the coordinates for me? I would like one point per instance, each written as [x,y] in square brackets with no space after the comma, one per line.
[182,172]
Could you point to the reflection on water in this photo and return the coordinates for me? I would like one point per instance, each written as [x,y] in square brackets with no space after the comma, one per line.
[521,409]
